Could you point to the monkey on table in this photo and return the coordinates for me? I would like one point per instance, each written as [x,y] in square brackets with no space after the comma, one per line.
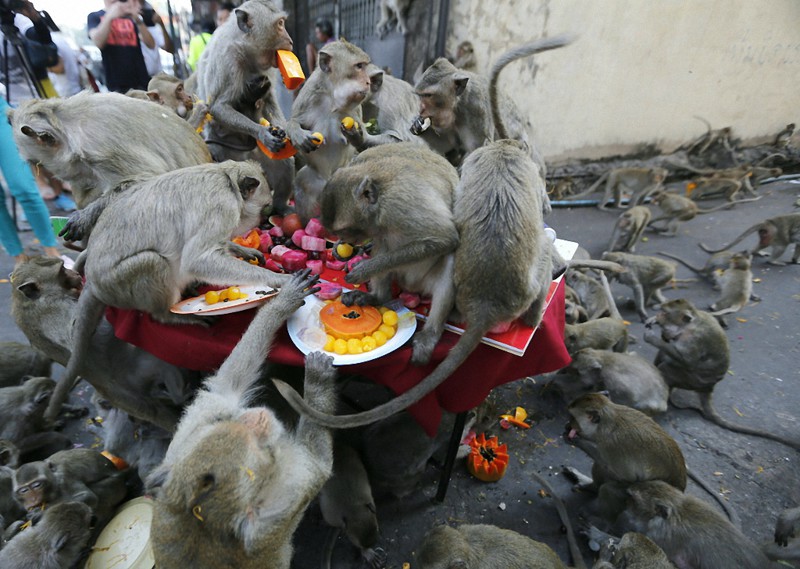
[629,228]
[640,182]
[233,77]
[335,90]
[678,208]
[777,232]
[236,481]
[694,354]
[125,140]
[156,239]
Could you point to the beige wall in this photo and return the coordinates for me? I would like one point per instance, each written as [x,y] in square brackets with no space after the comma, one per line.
[640,70]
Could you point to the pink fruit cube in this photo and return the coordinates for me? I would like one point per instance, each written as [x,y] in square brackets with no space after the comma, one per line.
[335,265]
[278,252]
[328,291]
[310,243]
[315,266]
[276,231]
[297,237]
[294,260]
[314,228]
[410,299]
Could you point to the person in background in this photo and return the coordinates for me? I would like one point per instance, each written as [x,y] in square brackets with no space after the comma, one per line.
[22,186]
[66,76]
[155,25]
[198,43]
[224,12]
[323,30]
[119,31]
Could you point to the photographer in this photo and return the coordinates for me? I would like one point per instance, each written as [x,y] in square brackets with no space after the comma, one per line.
[119,32]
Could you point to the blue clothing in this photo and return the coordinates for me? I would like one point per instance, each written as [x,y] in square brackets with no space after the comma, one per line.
[22,186]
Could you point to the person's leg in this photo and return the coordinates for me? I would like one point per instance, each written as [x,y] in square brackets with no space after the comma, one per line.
[8,232]
[23,187]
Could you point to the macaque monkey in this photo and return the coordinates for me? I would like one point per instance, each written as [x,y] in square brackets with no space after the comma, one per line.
[593,297]
[199,210]
[640,182]
[690,532]
[629,228]
[335,90]
[10,509]
[22,409]
[694,354]
[716,262]
[629,379]
[677,208]
[645,275]
[235,481]
[135,141]
[736,286]
[44,295]
[634,551]
[393,104]
[777,232]
[722,136]
[169,91]
[784,547]
[18,360]
[715,187]
[347,505]
[600,334]
[56,542]
[561,189]
[391,11]
[465,57]
[784,137]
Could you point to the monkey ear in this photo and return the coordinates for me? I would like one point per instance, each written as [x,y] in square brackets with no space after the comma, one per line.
[594,416]
[60,542]
[376,79]
[367,192]
[663,510]
[324,61]
[460,83]
[155,97]
[30,289]
[42,136]
[687,317]
[244,20]
[247,187]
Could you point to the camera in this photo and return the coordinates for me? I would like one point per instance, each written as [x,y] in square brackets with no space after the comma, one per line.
[12,5]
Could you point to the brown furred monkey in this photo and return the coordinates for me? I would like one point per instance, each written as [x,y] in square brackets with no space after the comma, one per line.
[199,210]
[18,360]
[137,140]
[694,354]
[335,90]
[629,228]
[634,551]
[678,208]
[234,77]
[168,90]
[641,182]
[235,481]
[645,275]
[736,286]
[777,232]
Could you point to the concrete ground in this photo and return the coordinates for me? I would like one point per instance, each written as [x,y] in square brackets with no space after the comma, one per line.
[758,477]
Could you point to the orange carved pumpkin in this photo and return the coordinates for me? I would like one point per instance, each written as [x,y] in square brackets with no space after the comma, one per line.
[347,322]
[488,459]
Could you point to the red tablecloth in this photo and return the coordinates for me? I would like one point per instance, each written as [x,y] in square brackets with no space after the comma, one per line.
[204,349]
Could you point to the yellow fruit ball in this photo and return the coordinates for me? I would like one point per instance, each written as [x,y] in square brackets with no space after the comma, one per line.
[382,309]
[380,337]
[390,318]
[340,346]
[354,346]
[348,122]
[329,342]
[317,138]
[368,343]
[234,293]
[388,330]
[344,250]
[212,297]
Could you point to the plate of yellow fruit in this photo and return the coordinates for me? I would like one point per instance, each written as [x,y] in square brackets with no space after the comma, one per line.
[350,334]
[225,301]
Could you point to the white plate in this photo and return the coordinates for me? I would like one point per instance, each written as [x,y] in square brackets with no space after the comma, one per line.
[308,333]
[198,305]
[125,542]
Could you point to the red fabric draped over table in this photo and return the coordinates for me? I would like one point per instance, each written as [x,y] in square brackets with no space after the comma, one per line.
[204,349]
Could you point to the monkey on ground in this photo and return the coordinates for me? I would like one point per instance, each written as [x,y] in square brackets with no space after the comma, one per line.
[601,334]
[716,262]
[593,297]
[18,360]
[694,354]
[629,379]
[633,551]
[736,286]
[392,11]
[10,509]
[44,295]
[640,182]
[335,90]
[784,137]
[235,481]
[722,136]
[347,505]
[677,208]
[55,542]
[777,232]
[127,139]
[629,228]
[130,266]
[574,312]
[690,532]
[645,275]
[234,78]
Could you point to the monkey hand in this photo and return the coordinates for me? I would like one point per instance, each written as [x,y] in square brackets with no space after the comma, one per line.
[247,253]
[272,137]
[77,227]
[307,141]
[359,273]
[784,529]
[353,135]
[320,382]
[299,286]
[651,334]
[359,298]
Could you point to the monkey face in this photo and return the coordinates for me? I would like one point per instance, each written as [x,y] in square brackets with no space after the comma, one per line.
[765,237]
[438,109]
[585,413]
[651,500]
[32,494]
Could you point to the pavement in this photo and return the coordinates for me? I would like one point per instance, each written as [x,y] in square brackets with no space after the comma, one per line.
[758,477]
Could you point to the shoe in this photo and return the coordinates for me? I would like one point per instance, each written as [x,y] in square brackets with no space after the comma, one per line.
[65,203]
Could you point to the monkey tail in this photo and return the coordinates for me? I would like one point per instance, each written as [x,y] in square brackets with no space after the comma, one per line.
[594,264]
[733,517]
[90,312]
[590,189]
[711,414]
[612,305]
[463,348]
[752,229]
[524,50]
[574,550]
[698,270]
[727,205]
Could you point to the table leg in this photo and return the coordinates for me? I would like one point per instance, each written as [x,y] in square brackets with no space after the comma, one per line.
[452,450]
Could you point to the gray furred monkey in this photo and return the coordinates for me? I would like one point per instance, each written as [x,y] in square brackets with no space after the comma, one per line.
[18,360]
[193,213]
[629,228]
[498,214]
[235,481]
[777,232]
[44,295]
[56,542]
[234,77]
[126,139]
[391,11]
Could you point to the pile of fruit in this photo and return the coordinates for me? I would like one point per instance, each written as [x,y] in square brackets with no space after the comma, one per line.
[356,329]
